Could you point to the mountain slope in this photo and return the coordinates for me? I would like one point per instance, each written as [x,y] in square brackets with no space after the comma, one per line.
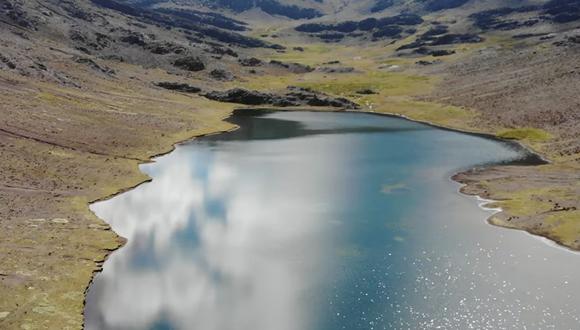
[313,9]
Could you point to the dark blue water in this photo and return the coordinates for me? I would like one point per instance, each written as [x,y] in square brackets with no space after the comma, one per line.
[325,221]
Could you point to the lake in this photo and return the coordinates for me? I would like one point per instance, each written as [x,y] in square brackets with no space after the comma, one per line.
[325,221]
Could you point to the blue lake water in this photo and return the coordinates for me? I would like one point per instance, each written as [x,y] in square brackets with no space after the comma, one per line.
[325,221]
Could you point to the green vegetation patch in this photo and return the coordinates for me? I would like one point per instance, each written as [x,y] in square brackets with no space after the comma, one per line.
[526,133]
[443,115]
[385,83]
[527,202]
[566,226]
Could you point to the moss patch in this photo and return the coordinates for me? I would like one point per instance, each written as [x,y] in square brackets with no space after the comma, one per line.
[385,83]
[526,202]
[566,227]
[526,133]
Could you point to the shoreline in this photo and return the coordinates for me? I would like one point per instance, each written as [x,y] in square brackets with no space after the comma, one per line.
[122,240]
[481,201]
[454,177]
[543,159]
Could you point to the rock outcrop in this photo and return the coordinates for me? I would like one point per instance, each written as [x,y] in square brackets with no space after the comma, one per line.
[221,75]
[250,62]
[190,63]
[296,96]
[431,38]
[387,27]
[337,69]
[292,67]
[180,87]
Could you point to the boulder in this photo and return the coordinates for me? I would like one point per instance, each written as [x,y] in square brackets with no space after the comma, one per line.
[292,67]
[424,63]
[165,48]
[190,63]
[433,52]
[134,38]
[222,75]
[251,61]
[329,69]
[366,91]
[180,87]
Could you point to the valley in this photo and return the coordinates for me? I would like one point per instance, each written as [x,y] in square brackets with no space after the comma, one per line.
[92,89]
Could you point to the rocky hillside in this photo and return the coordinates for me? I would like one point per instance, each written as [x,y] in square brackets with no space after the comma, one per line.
[288,9]
[469,17]
[313,9]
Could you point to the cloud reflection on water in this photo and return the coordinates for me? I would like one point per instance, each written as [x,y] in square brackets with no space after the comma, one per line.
[212,248]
